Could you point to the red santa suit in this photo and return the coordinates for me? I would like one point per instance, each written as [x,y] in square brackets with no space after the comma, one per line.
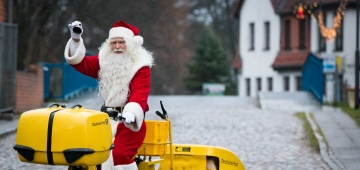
[126,86]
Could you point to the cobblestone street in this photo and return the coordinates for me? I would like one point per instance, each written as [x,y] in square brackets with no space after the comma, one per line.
[261,139]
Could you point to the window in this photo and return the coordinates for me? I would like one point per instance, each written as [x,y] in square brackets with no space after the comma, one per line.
[248,86]
[267,35]
[270,83]
[287,35]
[258,82]
[302,34]
[298,83]
[286,83]
[252,36]
[322,42]
[339,37]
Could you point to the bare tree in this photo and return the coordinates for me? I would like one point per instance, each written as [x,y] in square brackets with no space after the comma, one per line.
[43,32]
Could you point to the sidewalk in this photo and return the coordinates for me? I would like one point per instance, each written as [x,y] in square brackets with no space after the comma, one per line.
[8,126]
[343,138]
[342,150]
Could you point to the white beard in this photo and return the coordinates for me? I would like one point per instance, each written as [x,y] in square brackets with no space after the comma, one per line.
[114,76]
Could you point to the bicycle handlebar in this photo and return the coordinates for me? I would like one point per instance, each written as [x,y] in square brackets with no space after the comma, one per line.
[164,114]
[114,114]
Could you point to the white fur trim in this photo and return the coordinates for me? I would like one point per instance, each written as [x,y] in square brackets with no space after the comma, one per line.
[131,166]
[109,163]
[114,125]
[78,55]
[143,58]
[136,109]
[138,40]
[120,32]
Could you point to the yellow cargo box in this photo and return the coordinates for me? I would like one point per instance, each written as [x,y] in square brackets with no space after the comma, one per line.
[156,138]
[64,136]
[192,156]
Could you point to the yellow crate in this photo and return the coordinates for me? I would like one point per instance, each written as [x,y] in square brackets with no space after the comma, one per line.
[157,134]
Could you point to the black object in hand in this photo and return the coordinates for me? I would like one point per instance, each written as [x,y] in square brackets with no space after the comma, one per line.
[77,30]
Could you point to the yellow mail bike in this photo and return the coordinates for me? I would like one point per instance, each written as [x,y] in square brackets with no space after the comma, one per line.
[81,139]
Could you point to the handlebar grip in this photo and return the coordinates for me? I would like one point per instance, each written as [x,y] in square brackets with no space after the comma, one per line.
[121,118]
[160,115]
[113,113]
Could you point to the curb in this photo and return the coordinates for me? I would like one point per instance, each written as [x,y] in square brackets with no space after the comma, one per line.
[7,131]
[325,151]
[9,126]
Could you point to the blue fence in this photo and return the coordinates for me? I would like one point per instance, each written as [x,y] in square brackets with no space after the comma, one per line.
[313,77]
[63,82]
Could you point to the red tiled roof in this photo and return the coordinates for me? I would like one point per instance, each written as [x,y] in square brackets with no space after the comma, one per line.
[290,59]
[285,6]
[237,7]
[288,5]
[276,4]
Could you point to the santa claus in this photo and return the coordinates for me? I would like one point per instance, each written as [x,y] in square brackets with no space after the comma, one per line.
[122,68]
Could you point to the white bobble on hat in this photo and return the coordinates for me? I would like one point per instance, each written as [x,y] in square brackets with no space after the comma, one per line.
[138,40]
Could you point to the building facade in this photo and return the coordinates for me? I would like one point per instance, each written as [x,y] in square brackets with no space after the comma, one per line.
[341,48]
[259,45]
[274,44]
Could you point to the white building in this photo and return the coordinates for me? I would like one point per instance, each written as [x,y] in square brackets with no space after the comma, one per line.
[259,45]
[274,44]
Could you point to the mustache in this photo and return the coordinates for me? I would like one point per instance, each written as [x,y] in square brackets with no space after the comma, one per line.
[119,50]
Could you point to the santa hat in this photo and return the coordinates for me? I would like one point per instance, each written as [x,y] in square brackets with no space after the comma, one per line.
[127,31]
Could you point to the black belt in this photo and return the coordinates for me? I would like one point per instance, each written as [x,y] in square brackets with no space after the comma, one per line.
[112,111]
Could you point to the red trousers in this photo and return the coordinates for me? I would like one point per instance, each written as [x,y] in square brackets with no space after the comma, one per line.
[126,144]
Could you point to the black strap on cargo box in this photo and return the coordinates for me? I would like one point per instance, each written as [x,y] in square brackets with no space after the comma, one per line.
[28,152]
[72,154]
[48,147]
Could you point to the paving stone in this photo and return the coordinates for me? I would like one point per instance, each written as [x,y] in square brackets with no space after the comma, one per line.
[261,139]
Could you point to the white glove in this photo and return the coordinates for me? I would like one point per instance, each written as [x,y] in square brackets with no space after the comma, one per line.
[129,117]
[76,29]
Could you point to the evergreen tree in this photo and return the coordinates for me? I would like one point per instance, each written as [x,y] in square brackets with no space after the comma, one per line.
[209,64]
